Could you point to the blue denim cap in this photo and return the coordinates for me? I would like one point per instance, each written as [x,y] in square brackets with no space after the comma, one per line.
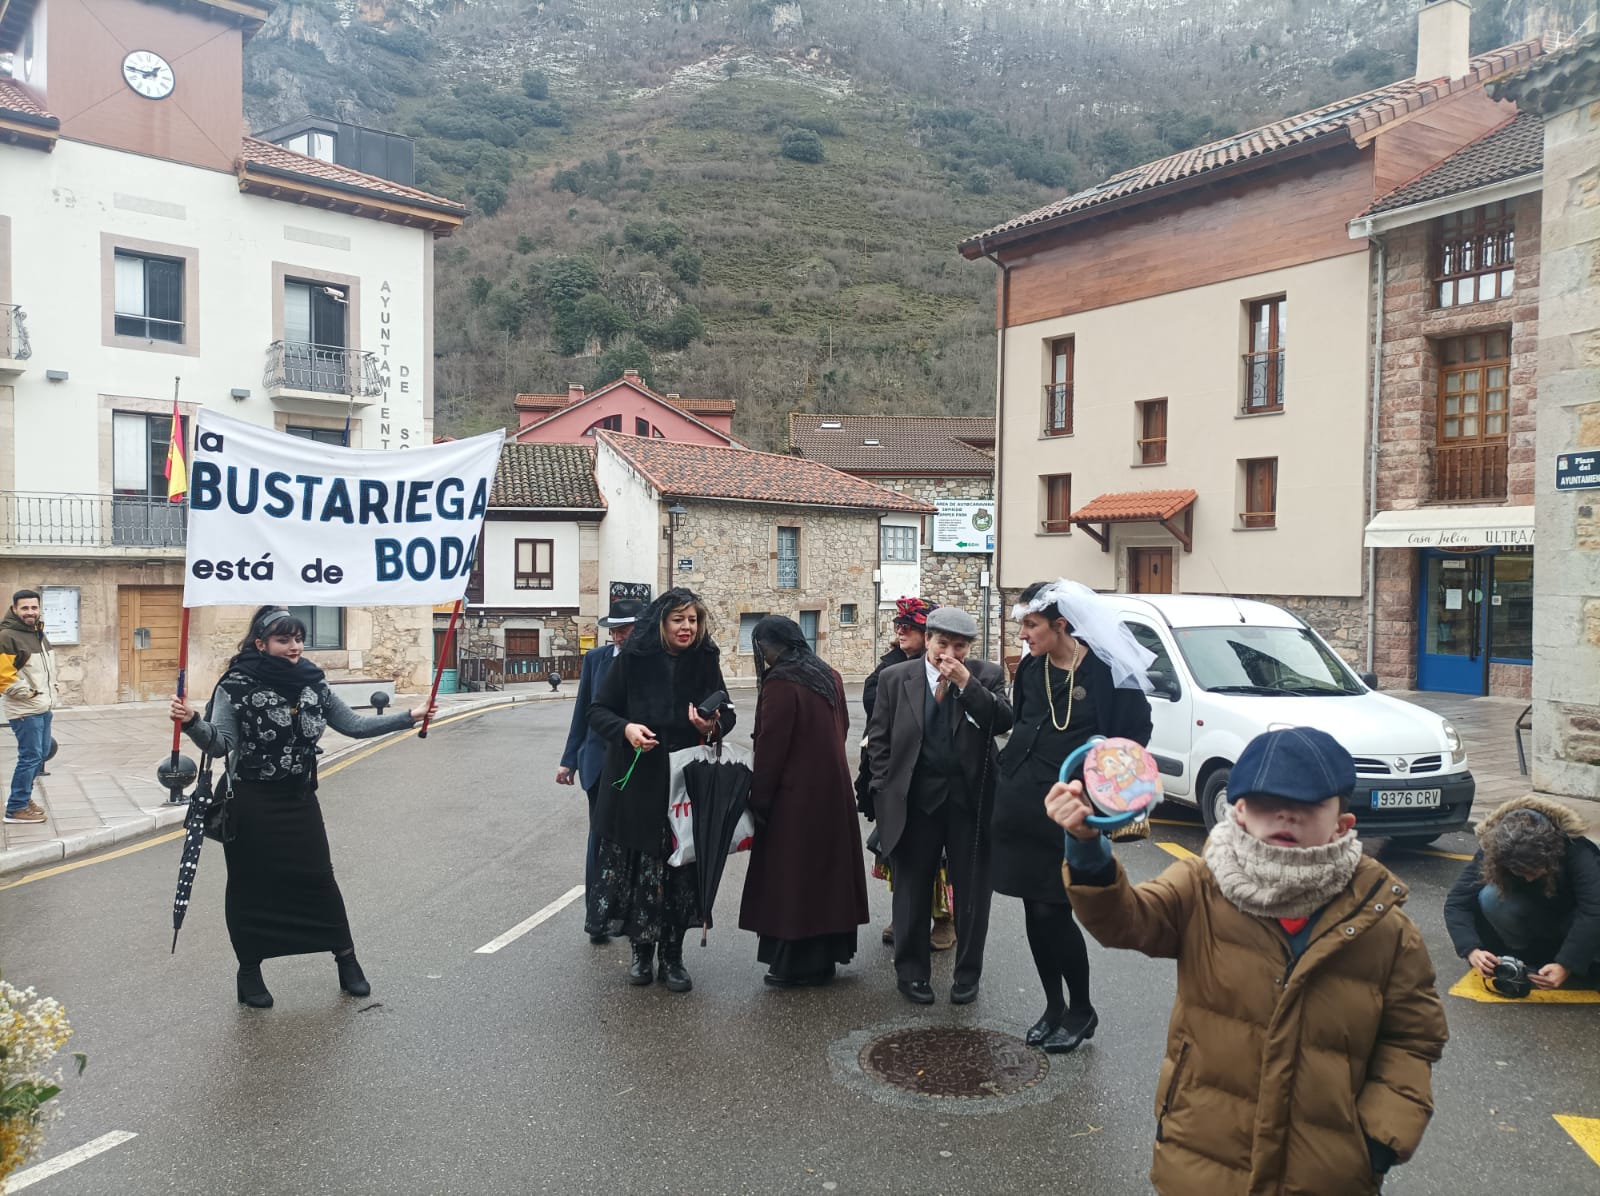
[1294,763]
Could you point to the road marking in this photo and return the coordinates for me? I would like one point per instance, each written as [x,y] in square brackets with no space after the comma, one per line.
[1174,850]
[1472,987]
[55,1166]
[527,924]
[1438,855]
[1585,1132]
[1194,826]
[145,845]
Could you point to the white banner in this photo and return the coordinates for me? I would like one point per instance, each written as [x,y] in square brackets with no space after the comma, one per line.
[275,518]
[963,525]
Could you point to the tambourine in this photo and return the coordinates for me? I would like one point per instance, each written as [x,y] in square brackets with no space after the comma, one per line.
[1120,779]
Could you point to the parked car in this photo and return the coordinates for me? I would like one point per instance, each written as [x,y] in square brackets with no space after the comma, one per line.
[1227,669]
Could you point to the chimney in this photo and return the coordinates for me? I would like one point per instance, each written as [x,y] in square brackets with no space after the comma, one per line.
[1443,30]
[630,376]
[574,393]
[673,397]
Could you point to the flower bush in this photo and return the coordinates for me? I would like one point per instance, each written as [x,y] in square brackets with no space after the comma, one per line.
[32,1030]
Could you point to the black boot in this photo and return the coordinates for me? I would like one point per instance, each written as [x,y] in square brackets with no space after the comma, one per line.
[351,978]
[673,974]
[252,988]
[641,970]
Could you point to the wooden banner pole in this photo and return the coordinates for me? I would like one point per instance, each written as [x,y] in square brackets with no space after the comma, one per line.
[438,669]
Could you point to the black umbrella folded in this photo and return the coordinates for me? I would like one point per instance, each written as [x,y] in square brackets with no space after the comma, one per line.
[719,794]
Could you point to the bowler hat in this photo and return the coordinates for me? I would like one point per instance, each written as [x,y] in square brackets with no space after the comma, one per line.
[623,611]
[952,620]
[1295,763]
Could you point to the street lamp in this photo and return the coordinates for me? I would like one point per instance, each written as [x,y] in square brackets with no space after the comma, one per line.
[675,514]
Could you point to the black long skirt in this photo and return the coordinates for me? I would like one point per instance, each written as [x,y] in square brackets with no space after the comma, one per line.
[282,898]
[641,897]
[805,961]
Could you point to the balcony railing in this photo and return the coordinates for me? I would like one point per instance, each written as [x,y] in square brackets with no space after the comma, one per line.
[1058,409]
[45,520]
[322,369]
[14,345]
[1469,472]
[1263,382]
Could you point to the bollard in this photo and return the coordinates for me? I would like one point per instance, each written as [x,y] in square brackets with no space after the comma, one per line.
[555,681]
[176,777]
[378,700]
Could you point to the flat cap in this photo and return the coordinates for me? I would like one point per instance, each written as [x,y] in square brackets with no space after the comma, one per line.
[1294,763]
[952,620]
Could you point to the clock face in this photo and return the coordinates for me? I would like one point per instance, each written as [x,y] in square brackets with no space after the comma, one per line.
[148,74]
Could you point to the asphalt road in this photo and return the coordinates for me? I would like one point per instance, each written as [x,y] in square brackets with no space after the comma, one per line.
[538,1069]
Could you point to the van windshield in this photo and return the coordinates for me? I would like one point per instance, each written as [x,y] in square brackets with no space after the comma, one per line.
[1272,661]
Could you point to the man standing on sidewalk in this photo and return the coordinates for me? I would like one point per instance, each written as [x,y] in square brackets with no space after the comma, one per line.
[28,681]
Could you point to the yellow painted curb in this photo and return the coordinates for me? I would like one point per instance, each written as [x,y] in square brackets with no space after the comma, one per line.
[1585,1132]
[1177,852]
[1472,988]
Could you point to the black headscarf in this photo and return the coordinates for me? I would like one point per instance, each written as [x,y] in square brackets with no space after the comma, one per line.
[645,638]
[796,661]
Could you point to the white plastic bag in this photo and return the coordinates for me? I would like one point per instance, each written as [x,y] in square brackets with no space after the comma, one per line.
[680,811]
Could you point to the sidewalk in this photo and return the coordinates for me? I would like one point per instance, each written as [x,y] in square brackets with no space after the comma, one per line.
[101,788]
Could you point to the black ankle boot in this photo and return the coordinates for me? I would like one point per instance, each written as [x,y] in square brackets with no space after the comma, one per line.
[641,970]
[673,974]
[351,978]
[252,988]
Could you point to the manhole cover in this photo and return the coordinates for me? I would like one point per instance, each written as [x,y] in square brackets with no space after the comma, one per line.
[953,1062]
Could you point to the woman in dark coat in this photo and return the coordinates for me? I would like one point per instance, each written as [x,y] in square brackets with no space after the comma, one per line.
[806,890]
[268,713]
[645,711]
[1083,675]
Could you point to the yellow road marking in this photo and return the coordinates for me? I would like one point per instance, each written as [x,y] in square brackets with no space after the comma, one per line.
[1585,1132]
[1194,826]
[1472,988]
[144,845]
[1177,852]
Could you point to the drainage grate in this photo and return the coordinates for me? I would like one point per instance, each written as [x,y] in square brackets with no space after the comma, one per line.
[953,1062]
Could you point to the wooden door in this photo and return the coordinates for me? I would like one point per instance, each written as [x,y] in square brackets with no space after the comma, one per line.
[1150,570]
[148,619]
[448,661]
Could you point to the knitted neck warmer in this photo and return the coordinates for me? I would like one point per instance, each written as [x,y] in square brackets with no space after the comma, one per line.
[1267,881]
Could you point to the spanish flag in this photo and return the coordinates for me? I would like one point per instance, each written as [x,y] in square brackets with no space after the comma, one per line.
[177,472]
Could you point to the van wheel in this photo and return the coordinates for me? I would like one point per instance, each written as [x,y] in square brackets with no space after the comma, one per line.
[1214,798]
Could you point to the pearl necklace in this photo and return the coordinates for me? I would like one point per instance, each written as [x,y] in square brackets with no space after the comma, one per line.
[1072,689]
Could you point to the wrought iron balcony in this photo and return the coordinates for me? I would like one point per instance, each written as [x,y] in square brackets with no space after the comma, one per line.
[33,519]
[296,369]
[1263,382]
[14,346]
[1469,472]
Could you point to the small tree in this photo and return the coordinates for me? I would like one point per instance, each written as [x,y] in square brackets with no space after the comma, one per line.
[535,85]
[631,356]
[802,145]
[489,197]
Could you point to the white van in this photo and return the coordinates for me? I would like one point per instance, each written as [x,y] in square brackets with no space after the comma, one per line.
[1227,669]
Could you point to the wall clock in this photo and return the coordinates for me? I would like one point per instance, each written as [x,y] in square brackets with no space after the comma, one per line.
[148,74]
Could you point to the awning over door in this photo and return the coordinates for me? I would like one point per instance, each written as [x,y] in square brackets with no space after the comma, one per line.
[1172,509]
[1452,527]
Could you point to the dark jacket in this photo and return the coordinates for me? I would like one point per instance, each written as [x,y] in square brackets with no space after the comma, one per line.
[894,739]
[644,686]
[869,690]
[869,699]
[27,668]
[1577,889]
[585,750]
[1123,713]
[806,876]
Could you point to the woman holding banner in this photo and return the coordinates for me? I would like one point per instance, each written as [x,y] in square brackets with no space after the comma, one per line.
[269,710]
[645,711]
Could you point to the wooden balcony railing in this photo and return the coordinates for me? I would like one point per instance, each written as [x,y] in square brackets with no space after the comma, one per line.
[1469,472]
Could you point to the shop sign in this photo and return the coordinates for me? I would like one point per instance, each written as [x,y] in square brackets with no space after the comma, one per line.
[1578,470]
[963,525]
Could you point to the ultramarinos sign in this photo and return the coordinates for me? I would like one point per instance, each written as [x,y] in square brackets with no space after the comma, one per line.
[274,518]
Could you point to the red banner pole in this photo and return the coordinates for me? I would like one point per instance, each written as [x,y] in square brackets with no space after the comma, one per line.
[438,669]
[183,682]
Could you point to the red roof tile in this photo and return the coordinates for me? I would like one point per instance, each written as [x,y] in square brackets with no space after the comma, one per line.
[896,445]
[745,475]
[16,98]
[1136,506]
[1514,150]
[559,476]
[274,158]
[533,402]
[1341,121]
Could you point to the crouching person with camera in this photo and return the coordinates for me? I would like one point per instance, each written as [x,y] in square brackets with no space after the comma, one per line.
[1301,1044]
[1525,913]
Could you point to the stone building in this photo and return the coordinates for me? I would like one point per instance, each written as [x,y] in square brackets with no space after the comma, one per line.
[944,460]
[1453,457]
[754,534]
[1564,90]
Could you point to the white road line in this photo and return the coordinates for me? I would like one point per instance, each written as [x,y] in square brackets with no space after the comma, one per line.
[79,1154]
[522,928]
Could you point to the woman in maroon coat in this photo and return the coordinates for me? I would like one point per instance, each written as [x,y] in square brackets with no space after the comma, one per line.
[806,891]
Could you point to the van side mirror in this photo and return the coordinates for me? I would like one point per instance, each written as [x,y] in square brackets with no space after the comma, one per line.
[1165,685]
[1370,680]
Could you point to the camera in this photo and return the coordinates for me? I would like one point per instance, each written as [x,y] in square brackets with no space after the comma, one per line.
[1510,978]
[714,705]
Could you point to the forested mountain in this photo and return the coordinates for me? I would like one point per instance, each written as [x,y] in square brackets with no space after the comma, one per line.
[760,199]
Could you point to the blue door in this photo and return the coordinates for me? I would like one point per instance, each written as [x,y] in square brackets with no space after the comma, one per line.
[1452,623]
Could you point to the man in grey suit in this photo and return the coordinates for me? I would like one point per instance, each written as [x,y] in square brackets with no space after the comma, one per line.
[930,745]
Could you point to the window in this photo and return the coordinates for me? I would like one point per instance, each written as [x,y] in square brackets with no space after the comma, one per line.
[1058,390]
[149,297]
[140,512]
[1260,492]
[1470,439]
[1150,639]
[313,143]
[314,336]
[898,543]
[747,624]
[1057,503]
[320,435]
[522,644]
[1511,607]
[324,625]
[788,558]
[1474,255]
[809,619]
[1263,362]
[611,423]
[641,426]
[847,614]
[535,565]
[1153,432]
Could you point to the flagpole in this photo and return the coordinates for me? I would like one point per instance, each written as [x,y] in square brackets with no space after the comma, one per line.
[438,669]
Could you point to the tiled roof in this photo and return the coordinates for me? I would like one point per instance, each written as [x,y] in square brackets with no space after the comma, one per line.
[1134,506]
[23,119]
[1331,124]
[1512,151]
[902,445]
[263,155]
[17,99]
[690,406]
[1557,80]
[557,476]
[712,471]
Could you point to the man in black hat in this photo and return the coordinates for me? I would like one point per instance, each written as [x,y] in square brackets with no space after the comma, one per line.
[931,745]
[585,751]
